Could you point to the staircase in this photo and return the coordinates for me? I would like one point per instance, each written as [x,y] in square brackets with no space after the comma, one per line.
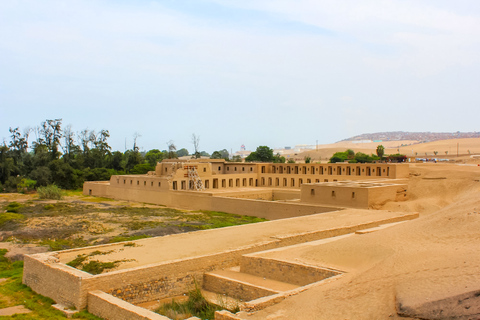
[258,277]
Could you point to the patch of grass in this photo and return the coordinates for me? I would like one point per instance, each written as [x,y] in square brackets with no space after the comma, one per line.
[214,219]
[80,259]
[139,224]
[97,267]
[63,244]
[96,199]
[130,244]
[196,305]
[14,207]
[50,192]
[128,238]
[48,206]
[71,193]
[19,294]
[10,220]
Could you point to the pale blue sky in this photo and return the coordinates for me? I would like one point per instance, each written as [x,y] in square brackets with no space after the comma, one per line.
[263,72]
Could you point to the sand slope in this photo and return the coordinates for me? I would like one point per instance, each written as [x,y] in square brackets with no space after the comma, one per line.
[428,259]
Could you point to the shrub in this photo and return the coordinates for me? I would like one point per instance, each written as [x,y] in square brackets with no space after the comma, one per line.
[50,192]
[10,219]
[13,207]
[26,185]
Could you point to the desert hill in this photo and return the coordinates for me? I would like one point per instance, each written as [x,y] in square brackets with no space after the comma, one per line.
[444,148]
[418,136]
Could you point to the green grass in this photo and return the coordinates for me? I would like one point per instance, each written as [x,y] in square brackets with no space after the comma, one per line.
[97,267]
[64,244]
[196,305]
[214,219]
[50,192]
[139,224]
[13,293]
[13,207]
[128,238]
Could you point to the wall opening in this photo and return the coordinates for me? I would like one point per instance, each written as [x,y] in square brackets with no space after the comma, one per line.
[174,187]
[312,192]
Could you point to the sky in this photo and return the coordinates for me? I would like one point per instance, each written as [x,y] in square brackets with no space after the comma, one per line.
[263,72]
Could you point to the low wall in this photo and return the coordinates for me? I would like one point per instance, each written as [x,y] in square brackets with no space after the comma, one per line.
[108,307]
[294,273]
[43,275]
[96,188]
[271,210]
[193,200]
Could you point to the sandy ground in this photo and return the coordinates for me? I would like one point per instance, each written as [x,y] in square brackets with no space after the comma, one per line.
[178,246]
[427,259]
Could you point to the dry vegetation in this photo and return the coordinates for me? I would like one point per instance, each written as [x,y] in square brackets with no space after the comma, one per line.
[78,221]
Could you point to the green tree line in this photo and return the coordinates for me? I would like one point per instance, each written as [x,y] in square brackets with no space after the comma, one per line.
[60,156]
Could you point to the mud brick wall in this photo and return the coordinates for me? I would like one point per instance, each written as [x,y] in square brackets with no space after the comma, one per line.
[43,275]
[110,308]
[293,273]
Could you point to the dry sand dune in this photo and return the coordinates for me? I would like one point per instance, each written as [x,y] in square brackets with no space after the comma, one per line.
[407,147]
[416,263]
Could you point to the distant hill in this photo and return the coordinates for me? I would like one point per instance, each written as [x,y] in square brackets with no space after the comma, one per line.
[418,136]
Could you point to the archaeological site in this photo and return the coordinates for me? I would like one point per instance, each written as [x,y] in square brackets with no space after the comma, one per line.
[343,241]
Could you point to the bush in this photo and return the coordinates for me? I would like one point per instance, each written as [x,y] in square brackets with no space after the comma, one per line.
[13,207]
[9,220]
[26,185]
[50,192]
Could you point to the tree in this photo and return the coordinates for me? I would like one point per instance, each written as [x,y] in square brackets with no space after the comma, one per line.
[380,151]
[278,158]
[196,141]
[172,150]
[339,157]
[220,154]
[308,159]
[262,154]
[136,135]
[236,159]
[154,156]
[350,154]
[182,152]
[216,155]
[51,132]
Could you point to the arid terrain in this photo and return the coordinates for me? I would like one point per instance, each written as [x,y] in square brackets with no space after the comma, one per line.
[445,149]
[431,259]
[78,221]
